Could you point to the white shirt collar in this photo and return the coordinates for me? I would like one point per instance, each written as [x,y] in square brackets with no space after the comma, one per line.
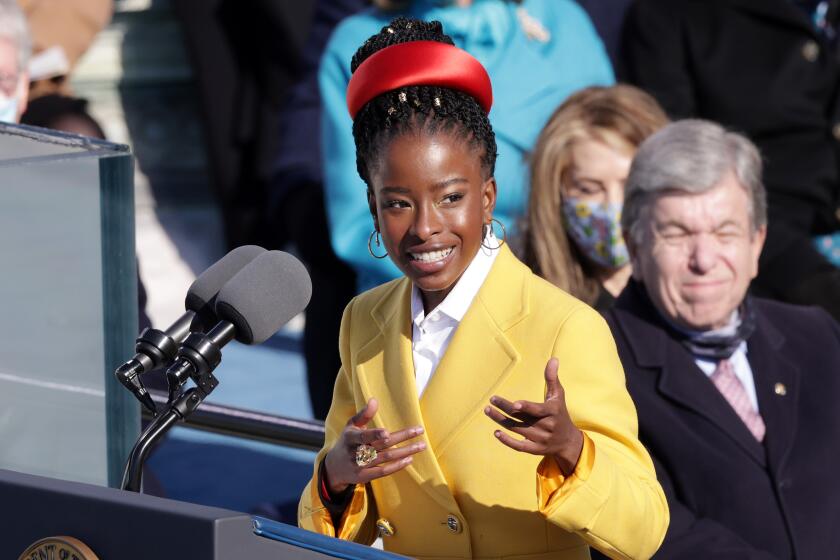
[457,302]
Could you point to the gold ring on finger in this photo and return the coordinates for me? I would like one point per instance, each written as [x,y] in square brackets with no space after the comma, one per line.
[365,455]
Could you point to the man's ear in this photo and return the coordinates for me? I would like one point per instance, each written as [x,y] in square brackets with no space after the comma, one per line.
[633,251]
[372,208]
[488,198]
[756,245]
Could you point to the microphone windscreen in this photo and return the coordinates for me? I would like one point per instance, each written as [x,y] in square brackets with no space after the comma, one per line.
[202,293]
[264,296]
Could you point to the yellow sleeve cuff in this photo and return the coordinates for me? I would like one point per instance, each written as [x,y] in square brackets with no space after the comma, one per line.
[315,517]
[553,487]
[354,515]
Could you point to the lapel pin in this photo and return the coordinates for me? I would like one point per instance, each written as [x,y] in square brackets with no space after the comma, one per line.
[780,389]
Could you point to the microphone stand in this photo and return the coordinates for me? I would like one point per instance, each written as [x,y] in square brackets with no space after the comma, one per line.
[194,362]
[185,405]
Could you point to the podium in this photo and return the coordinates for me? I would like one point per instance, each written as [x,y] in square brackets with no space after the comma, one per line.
[119,525]
[69,288]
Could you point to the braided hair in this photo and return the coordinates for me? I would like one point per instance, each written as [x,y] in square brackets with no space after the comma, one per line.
[431,109]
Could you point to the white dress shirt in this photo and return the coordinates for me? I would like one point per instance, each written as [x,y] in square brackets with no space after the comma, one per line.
[432,333]
[742,368]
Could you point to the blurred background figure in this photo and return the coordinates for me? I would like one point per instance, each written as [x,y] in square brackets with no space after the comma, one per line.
[245,56]
[62,30]
[608,18]
[15,50]
[734,393]
[771,70]
[296,212]
[537,52]
[572,235]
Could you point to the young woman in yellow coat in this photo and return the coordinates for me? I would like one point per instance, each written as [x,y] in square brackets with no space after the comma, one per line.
[480,412]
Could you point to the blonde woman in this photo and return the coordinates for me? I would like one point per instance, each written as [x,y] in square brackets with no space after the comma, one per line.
[572,235]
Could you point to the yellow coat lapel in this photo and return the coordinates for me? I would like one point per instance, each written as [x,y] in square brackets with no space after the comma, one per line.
[385,370]
[480,355]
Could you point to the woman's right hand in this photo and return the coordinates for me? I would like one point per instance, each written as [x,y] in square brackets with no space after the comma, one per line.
[340,462]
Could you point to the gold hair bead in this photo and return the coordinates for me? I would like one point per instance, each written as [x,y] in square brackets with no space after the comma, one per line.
[391,110]
[437,101]
[402,97]
[389,30]
[416,102]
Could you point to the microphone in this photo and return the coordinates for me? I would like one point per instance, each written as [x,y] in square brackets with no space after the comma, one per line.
[155,348]
[262,297]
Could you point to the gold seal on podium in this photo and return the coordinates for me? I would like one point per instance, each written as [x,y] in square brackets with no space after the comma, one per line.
[59,548]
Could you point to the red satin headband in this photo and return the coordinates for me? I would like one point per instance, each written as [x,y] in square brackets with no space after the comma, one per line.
[418,63]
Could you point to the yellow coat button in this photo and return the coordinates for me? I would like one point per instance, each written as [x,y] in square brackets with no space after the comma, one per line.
[780,389]
[811,51]
[453,524]
[385,528]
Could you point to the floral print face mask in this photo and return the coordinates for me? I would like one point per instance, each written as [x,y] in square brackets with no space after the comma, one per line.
[596,230]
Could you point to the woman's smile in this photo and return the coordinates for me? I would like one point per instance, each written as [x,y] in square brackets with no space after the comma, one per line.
[430,256]
[429,262]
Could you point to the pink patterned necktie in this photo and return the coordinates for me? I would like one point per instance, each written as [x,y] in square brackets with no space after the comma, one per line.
[733,391]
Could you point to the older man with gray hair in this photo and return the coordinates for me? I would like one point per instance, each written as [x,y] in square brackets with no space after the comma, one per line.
[735,395]
[15,50]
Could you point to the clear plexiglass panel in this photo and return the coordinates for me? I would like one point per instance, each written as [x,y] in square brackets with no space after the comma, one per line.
[68,285]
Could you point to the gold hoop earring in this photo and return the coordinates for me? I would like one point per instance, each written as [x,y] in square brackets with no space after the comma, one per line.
[378,244]
[504,234]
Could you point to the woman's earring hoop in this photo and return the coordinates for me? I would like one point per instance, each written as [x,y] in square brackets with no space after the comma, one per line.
[504,234]
[375,234]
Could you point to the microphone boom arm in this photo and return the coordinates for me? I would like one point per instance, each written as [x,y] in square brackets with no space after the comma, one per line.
[180,409]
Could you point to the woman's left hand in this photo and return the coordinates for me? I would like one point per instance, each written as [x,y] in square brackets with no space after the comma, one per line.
[547,427]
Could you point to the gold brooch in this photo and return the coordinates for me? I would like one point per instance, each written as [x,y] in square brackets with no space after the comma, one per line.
[385,528]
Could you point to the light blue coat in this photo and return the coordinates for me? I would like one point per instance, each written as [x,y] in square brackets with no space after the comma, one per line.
[530,79]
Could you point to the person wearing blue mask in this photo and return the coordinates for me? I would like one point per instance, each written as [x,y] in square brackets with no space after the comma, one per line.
[572,236]
[537,52]
[15,48]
